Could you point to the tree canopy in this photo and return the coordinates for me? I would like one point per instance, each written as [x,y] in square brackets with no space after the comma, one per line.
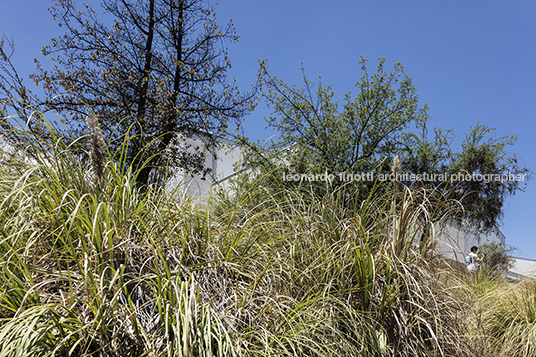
[357,138]
[362,134]
[150,69]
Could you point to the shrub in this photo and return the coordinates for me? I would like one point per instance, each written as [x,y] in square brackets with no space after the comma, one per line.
[498,257]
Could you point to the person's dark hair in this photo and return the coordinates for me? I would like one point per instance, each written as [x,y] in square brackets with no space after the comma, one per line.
[474,248]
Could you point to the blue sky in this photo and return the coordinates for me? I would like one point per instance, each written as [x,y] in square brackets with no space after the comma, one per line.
[473,61]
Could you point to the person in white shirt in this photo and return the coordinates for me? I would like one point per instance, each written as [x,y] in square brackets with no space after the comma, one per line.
[472,261]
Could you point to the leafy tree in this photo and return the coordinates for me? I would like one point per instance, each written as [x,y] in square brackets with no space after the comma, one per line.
[363,135]
[151,69]
[481,176]
[356,139]
[355,135]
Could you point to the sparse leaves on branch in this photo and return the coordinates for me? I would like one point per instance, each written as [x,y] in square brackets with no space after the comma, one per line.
[150,69]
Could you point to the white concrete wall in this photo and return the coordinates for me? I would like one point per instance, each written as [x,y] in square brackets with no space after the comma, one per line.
[455,241]
[523,267]
[221,159]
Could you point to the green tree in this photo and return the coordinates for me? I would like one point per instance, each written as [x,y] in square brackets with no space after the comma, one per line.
[363,134]
[318,134]
[357,139]
[482,174]
[151,69]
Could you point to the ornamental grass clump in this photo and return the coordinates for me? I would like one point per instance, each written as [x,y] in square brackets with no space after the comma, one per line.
[101,269]
[509,318]
[367,275]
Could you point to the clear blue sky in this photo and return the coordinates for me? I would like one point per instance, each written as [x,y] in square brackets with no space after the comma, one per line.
[473,61]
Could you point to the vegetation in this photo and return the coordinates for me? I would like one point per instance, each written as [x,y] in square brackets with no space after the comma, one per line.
[91,265]
[361,135]
[152,70]
[98,259]
[498,257]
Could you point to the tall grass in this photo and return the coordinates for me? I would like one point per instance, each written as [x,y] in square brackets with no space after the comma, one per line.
[90,264]
[373,262]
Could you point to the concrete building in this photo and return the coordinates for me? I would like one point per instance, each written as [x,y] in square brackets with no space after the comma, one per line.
[523,268]
[455,240]
[221,157]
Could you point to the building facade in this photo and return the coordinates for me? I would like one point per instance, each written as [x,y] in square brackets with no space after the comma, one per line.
[221,157]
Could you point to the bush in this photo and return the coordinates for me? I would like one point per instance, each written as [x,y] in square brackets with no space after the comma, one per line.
[498,257]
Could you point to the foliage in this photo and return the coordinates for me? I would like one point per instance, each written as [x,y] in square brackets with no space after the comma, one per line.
[508,316]
[374,261]
[359,141]
[498,257]
[503,175]
[90,264]
[481,176]
[86,266]
[148,69]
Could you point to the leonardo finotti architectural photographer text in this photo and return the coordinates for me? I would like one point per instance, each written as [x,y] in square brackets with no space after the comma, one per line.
[404,177]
